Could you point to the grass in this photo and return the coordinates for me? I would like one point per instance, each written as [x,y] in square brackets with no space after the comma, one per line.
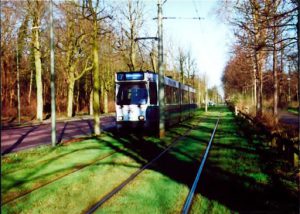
[293,110]
[74,192]
[240,174]
[164,187]
[41,179]
[237,177]
[159,194]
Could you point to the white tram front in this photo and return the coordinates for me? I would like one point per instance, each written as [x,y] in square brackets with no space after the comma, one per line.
[137,101]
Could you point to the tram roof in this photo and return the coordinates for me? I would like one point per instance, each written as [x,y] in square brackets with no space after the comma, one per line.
[149,76]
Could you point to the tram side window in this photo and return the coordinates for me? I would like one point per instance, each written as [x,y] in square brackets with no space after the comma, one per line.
[185,97]
[176,95]
[193,98]
[168,94]
[153,93]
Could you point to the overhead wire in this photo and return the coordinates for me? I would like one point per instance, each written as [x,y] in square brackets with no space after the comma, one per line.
[196,9]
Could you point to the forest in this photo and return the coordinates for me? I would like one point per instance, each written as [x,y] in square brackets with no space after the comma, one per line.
[262,74]
[92,42]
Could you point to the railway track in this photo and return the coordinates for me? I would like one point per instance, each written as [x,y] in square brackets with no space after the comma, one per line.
[190,196]
[37,163]
[75,170]
[164,150]
[185,209]
[41,185]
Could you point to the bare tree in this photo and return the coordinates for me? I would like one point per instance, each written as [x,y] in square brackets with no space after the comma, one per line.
[182,57]
[36,9]
[131,23]
[91,12]
[76,50]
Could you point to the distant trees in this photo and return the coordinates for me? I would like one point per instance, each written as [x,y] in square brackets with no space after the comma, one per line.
[75,49]
[90,48]
[238,77]
[265,31]
[130,23]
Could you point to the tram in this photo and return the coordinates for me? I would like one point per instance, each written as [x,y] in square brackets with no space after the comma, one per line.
[137,103]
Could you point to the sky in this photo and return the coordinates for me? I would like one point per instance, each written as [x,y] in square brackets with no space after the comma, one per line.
[208,39]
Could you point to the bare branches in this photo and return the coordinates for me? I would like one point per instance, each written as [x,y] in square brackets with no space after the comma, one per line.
[266,31]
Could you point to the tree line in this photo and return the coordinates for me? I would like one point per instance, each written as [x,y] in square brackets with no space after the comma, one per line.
[93,40]
[262,72]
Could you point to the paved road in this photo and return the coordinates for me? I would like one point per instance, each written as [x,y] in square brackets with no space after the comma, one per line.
[19,138]
[288,118]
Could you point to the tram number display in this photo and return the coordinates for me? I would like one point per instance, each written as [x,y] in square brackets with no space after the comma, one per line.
[130,76]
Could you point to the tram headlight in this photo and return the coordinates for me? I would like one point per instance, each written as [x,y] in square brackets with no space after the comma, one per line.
[120,118]
[141,117]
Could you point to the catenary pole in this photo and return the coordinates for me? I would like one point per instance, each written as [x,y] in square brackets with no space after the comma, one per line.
[160,73]
[53,115]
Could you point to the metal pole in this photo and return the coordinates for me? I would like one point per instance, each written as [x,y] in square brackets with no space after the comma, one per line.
[160,73]
[206,94]
[52,84]
[18,83]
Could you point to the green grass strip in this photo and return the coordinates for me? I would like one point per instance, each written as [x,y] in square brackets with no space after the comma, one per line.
[164,187]
[240,174]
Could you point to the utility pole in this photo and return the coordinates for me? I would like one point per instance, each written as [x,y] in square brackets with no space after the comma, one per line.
[18,81]
[161,95]
[205,93]
[206,98]
[52,83]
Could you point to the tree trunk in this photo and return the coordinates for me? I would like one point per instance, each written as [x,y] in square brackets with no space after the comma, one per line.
[102,97]
[153,62]
[30,86]
[38,75]
[91,103]
[260,90]
[259,39]
[12,95]
[105,101]
[254,85]
[70,97]
[133,55]
[96,86]
[280,73]
[275,83]
[199,94]
[257,84]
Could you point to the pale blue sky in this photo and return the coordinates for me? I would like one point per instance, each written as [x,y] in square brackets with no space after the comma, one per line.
[208,39]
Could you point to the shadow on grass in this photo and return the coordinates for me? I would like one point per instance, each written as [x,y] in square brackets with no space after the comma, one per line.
[37,176]
[238,192]
[235,187]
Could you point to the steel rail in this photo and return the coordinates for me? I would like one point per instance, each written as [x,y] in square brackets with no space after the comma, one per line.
[135,174]
[6,172]
[190,196]
[78,168]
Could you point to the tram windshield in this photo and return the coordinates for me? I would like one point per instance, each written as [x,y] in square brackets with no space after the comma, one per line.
[132,93]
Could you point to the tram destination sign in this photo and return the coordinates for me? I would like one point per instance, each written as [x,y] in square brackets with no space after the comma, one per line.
[123,76]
